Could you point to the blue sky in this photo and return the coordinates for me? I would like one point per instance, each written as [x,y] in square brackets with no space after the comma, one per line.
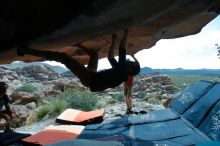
[190,52]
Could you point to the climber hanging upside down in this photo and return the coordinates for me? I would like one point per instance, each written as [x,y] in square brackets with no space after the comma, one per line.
[89,77]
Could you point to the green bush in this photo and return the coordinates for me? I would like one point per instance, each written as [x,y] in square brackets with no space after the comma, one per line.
[43,112]
[83,100]
[28,87]
[58,106]
[118,97]
[55,107]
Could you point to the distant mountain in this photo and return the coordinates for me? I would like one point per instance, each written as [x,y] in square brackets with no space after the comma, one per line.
[20,64]
[147,70]
[15,65]
[57,69]
[68,74]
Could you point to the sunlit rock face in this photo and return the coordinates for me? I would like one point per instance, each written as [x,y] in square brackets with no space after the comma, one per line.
[57,26]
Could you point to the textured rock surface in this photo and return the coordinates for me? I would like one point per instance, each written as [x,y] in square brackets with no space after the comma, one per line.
[39,73]
[149,93]
[56,26]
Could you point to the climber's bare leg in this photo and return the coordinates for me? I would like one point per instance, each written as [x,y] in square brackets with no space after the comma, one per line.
[93,60]
[123,43]
[112,47]
[74,66]
[123,47]
[127,95]
[111,58]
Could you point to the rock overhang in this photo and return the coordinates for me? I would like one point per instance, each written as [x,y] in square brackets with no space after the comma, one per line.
[57,26]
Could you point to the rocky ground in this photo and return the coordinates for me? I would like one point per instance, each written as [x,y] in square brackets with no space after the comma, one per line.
[149,93]
[111,112]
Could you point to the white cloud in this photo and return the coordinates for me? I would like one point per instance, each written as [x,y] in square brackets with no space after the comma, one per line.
[54,63]
[191,52]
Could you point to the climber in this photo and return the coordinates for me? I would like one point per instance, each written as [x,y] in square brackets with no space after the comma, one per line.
[89,77]
[8,113]
[128,85]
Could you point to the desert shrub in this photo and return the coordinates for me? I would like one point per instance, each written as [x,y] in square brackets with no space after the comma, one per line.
[149,95]
[118,97]
[43,112]
[100,105]
[140,95]
[26,88]
[32,117]
[18,71]
[58,106]
[111,101]
[176,89]
[154,101]
[55,107]
[83,100]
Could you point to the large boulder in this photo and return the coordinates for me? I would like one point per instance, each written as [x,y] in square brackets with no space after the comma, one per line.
[7,75]
[155,83]
[24,98]
[60,85]
[39,73]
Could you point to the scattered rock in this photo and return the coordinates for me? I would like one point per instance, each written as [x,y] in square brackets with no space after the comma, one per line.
[167,102]
[39,73]
[31,105]
[24,98]
[52,93]
[119,109]
[147,92]
[61,85]
[21,111]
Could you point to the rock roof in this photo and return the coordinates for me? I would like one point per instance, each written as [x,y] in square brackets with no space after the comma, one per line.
[56,26]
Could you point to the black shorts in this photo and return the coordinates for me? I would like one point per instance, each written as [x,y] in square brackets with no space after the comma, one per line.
[109,78]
